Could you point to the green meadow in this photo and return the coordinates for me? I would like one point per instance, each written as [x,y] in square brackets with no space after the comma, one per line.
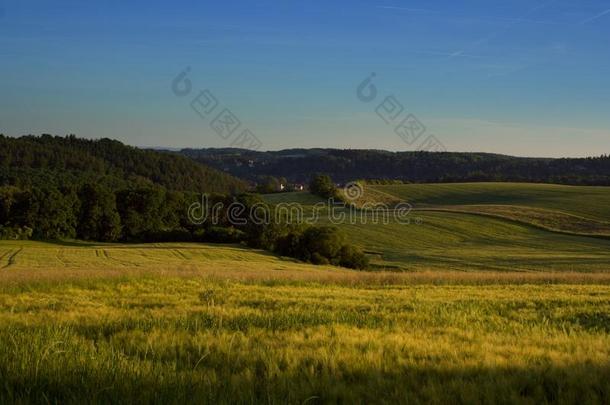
[590,202]
[481,227]
[462,305]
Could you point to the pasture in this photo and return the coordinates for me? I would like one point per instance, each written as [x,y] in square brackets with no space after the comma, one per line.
[589,202]
[482,227]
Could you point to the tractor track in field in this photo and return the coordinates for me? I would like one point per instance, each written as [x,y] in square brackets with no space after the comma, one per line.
[107,256]
[179,254]
[8,252]
[60,257]
[11,258]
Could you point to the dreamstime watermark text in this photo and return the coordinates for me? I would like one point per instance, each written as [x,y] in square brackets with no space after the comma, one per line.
[332,211]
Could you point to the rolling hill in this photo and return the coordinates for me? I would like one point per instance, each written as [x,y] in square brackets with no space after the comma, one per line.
[44,160]
[590,202]
[474,236]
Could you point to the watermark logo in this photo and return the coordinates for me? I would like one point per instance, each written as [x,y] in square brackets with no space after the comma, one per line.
[353,191]
[225,123]
[331,211]
[181,85]
[367,91]
[392,112]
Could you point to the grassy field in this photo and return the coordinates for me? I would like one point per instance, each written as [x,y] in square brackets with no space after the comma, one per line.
[221,324]
[546,219]
[485,232]
[461,307]
[589,202]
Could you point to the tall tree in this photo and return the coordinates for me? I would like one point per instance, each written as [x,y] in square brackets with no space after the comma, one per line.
[98,217]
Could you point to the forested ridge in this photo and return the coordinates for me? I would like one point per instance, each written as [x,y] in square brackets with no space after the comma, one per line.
[297,165]
[46,159]
[66,187]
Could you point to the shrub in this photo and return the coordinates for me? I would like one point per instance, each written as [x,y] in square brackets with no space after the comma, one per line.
[169,235]
[218,234]
[268,185]
[324,241]
[290,243]
[15,232]
[353,258]
[323,186]
[199,235]
[320,245]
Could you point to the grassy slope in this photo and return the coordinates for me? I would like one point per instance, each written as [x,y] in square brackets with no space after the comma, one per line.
[29,255]
[469,242]
[32,262]
[458,241]
[551,220]
[590,202]
[185,338]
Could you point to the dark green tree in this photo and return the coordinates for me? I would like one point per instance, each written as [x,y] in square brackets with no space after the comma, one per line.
[323,186]
[142,213]
[98,218]
[55,217]
[268,185]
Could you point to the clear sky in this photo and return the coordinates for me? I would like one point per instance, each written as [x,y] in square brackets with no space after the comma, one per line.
[527,77]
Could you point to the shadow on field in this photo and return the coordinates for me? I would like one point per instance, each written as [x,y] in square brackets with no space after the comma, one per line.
[163,246]
[72,243]
[315,383]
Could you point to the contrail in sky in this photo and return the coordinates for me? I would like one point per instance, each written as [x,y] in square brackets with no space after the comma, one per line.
[508,27]
[588,20]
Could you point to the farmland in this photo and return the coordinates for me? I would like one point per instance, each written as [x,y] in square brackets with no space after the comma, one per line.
[469,227]
[457,307]
[223,324]
[590,202]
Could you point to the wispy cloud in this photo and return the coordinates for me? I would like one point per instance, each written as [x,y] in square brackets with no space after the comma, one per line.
[588,20]
[465,18]
[416,10]
[511,23]
[528,21]
[448,54]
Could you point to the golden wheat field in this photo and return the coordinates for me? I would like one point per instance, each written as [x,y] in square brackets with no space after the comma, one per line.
[223,324]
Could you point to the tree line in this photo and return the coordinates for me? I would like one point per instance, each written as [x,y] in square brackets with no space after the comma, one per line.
[296,165]
[95,212]
[91,211]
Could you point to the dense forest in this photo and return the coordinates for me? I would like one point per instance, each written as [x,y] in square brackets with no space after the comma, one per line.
[297,165]
[52,160]
[65,188]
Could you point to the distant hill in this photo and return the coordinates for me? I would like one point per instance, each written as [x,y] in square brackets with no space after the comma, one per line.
[32,160]
[475,226]
[297,165]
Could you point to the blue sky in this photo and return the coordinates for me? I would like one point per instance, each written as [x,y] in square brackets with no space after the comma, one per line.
[528,78]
